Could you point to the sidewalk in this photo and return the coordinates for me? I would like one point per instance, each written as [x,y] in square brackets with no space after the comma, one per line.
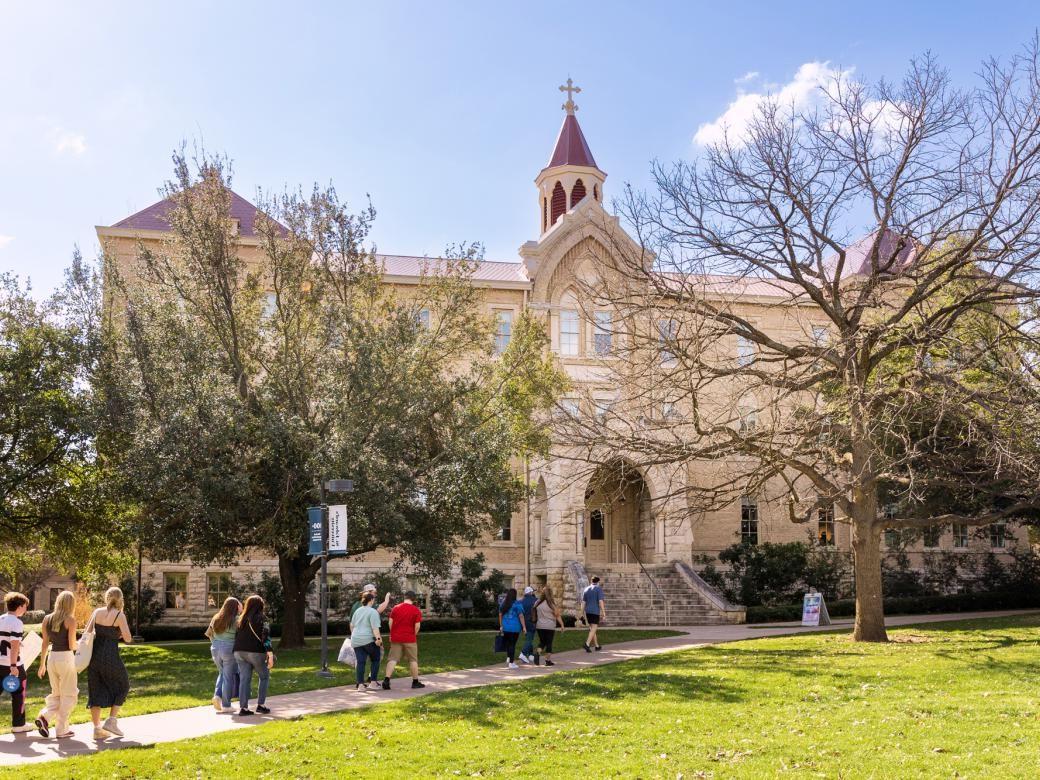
[199,721]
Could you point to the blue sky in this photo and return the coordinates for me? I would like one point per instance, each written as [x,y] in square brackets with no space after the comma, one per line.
[443,112]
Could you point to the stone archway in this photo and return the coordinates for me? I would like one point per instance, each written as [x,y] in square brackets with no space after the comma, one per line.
[617,515]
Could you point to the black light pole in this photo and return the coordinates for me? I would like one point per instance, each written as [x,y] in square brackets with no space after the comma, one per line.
[137,601]
[333,486]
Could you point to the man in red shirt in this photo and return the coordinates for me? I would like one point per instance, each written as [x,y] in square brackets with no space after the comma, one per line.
[405,621]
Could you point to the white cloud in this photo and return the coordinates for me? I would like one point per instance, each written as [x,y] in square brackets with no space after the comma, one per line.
[751,75]
[5,240]
[798,93]
[67,142]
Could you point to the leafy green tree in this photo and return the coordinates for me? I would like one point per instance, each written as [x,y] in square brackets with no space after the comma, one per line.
[242,375]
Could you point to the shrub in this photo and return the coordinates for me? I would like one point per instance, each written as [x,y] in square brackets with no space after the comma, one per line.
[473,586]
[33,616]
[768,573]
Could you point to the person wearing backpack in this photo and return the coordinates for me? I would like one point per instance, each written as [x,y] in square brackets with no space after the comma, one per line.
[511,624]
[547,618]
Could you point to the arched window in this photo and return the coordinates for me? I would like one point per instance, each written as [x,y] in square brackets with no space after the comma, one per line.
[577,192]
[559,203]
[545,214]
[595,192]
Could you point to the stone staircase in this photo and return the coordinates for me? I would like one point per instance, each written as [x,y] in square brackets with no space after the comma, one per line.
[632,599]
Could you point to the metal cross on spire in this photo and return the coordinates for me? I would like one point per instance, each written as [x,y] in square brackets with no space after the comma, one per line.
[570,106]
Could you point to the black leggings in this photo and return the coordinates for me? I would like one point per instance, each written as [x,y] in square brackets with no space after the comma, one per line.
[545,638]
[511,637]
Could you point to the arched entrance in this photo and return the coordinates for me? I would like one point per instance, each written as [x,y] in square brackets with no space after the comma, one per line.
[617,512]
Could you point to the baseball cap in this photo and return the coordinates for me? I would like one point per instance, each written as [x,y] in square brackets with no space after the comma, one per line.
[528,589]
[370,588]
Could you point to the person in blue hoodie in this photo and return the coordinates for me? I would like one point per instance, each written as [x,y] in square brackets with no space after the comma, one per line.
[527,654]
[511,624]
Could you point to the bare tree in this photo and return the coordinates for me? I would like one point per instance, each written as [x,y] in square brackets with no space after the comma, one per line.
[838,307]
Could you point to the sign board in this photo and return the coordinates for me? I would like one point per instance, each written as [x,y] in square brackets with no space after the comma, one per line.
[340,486]
[314,528]
[32,644]
[338,529]
[814,610]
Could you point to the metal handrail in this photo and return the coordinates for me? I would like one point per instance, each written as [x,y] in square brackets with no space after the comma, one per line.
[653,582]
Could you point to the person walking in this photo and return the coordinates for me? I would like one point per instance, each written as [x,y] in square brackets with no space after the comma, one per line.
[594,611]
[370,588]
[511,624]
[547,618]
[107,681]
[527,654]
[58,663]
[253,652]
[221,632]
[11,634]
[366,641]
[405,622]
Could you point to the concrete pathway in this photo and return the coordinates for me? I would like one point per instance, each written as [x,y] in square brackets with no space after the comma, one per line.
[199,721]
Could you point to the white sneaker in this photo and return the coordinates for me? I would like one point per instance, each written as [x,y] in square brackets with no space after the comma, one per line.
[218,705]
[524,658]
[112,727]
[226,710]
[23,729]
[512,666]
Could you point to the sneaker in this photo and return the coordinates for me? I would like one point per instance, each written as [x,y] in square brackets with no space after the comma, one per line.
[23,729]
[524,659]
[386,683]
[65,735]
[100,734]
[587,648]
[218,705]
[263,710]
[549,663]
[417,684]
[511,665]
[245,712]
[112,727]
[227,710]
[43,727]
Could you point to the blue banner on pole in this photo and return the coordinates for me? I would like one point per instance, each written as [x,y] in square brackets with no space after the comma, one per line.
[314,530]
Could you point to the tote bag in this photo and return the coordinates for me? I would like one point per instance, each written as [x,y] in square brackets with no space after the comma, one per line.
[346,653]
[500,643]
[84,650]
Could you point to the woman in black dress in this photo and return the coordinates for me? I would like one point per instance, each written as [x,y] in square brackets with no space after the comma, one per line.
[107,681]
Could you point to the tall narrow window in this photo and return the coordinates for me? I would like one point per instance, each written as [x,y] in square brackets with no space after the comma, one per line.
[577,193]
[825,526]
[270,306]
[745,351]
[602,337]
[558,205]
[748,520]
[505,533]
[569,332]
[423,319]
[932,535]
[503,330]
[597,525]
[998,535]
[666,331]
[747,419]
[960,535]
[175,589]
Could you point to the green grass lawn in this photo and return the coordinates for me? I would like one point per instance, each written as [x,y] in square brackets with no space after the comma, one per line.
[941,701]
[178,675]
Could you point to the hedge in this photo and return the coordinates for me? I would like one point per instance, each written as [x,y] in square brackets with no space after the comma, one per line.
[906,605]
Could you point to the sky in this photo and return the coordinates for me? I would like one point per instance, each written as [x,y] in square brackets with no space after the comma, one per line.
[441,113]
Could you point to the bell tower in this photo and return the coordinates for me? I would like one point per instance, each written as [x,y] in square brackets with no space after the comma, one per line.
[572,173]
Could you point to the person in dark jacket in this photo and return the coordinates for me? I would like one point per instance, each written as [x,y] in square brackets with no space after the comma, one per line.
[253,652]
[527,654]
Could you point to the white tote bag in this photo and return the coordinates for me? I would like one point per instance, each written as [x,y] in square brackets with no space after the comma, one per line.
[84,650]
[346,653]
[32,644]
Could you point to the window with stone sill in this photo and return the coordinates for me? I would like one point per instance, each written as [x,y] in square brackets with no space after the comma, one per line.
[503,330]
[570,332]
[423,319]
[175,589]
[745,351]
[998,535]
[932,535]
[569,407]
[961,535]
[219,585]
[825,526]
[602,333]
[748,520]
[666,333]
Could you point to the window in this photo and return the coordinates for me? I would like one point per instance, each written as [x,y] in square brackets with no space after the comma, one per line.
[505,533]
[218,588]
[997,535]
[825,526]
[748,419]
[52,598]
[891,538]
[602,407]
[669,410]
[597,525]
[421,589]
[960,535]
[423,319]
[745,351]
[569,332]
[270,306]
[503,330]
[932,535]
[602,335]
[819,335]
[666,331]
[175,588]
[570,407]
[748,520]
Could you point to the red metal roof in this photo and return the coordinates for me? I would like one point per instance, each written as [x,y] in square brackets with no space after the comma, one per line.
[485,271]
[571,147]
[154,217]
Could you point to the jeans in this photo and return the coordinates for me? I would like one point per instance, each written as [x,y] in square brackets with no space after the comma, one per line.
[369,652]
[247,662]
[529,641]
[511,637]
[223,654]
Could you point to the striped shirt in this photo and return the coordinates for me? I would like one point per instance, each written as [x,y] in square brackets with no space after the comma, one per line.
[11,629]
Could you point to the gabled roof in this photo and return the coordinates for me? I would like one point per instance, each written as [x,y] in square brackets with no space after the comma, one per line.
[571,147]
[154,217]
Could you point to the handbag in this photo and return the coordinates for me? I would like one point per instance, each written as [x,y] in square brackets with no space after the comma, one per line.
[84,650]
[346,653]
[500,643]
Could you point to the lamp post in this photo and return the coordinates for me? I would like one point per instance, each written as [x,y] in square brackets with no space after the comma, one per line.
[331,486]
[137,601]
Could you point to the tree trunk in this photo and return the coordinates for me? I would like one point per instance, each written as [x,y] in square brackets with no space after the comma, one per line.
[870,610]
[296,574]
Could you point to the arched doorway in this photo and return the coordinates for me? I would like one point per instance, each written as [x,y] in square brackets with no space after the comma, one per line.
[617,512]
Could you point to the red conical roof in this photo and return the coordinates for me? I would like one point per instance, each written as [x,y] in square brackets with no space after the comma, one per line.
[571,147]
